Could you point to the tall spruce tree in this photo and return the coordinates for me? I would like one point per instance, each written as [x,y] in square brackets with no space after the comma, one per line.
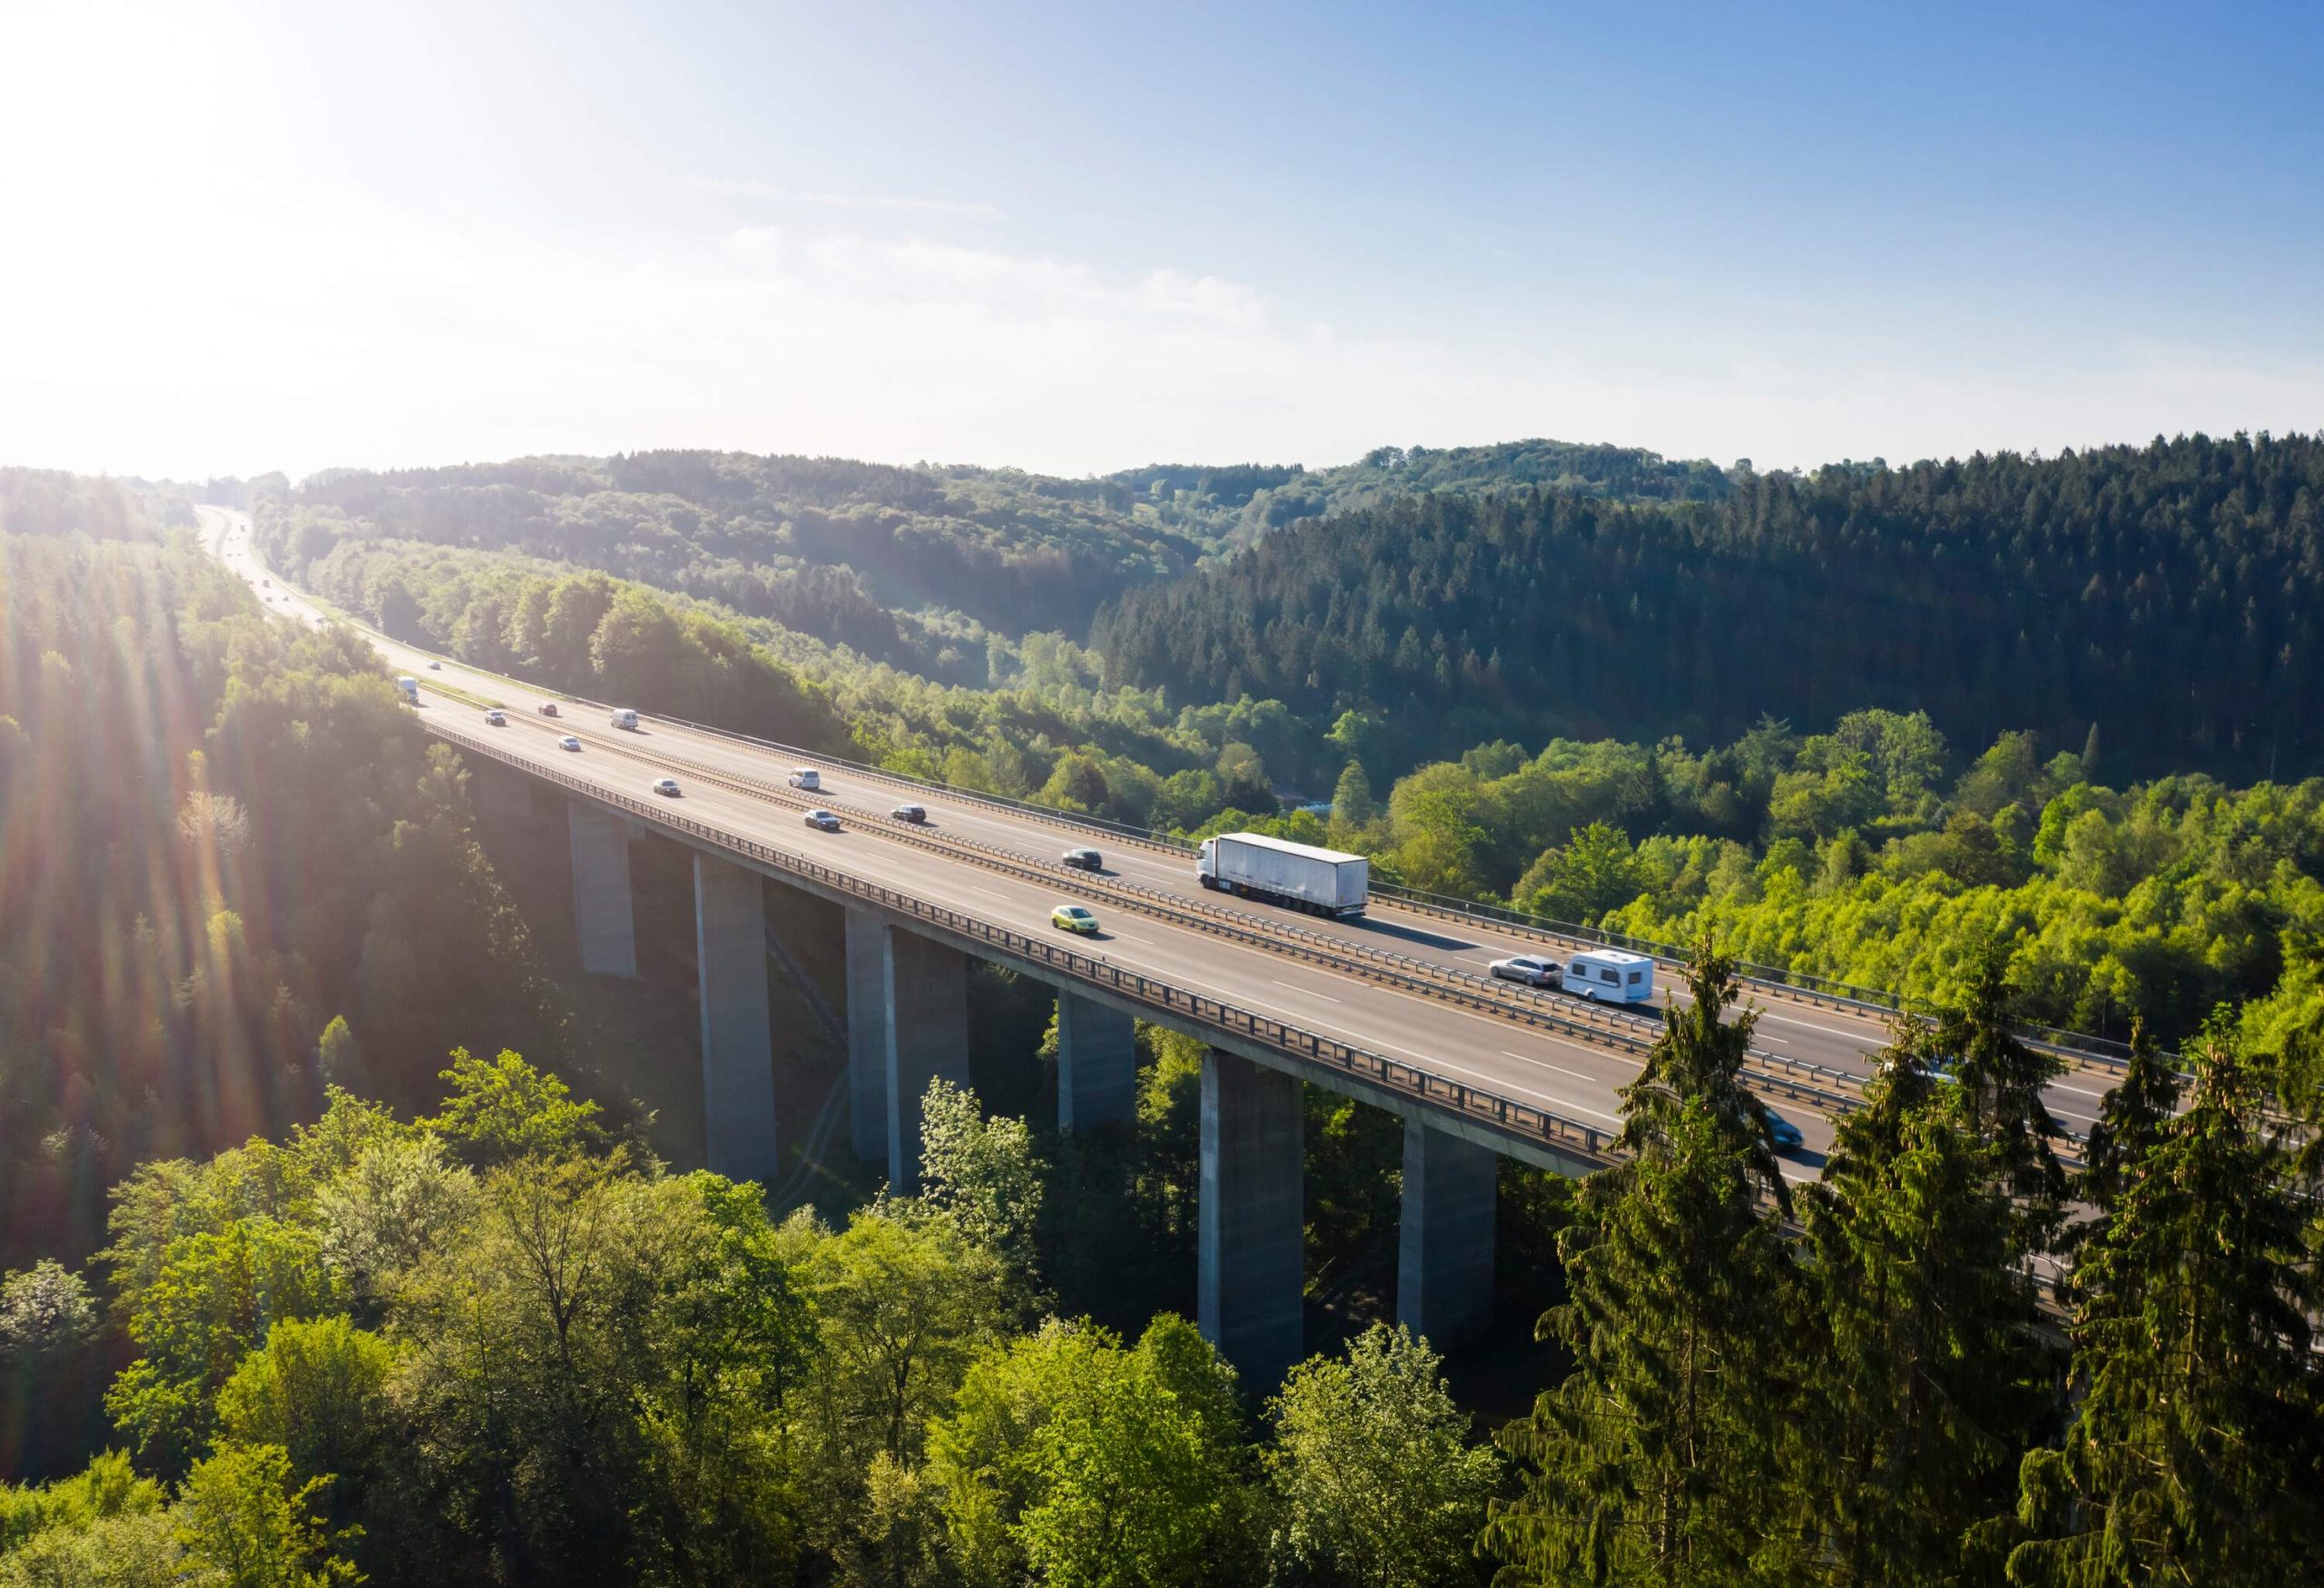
[1655,1462]
[2002,1080]
[1923,1381]
[2130,1121]
[2198,1454]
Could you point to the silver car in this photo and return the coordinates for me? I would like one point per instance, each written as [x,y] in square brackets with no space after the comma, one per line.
[1526,967]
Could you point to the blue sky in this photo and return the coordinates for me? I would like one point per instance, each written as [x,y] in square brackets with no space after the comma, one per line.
[1081,237]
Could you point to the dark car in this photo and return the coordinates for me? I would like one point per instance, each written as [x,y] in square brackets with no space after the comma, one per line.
[1787,1134]
[547,708]
[1086,860]
[913,814]
[822,819]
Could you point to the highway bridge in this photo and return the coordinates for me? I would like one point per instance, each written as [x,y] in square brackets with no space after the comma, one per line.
[1395,1009]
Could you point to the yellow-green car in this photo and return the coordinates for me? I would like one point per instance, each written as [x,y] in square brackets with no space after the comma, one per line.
[1073,918]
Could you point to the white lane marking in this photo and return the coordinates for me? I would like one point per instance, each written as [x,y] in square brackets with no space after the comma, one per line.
[1779,1041]
[1126,937]
[1309,992]
[1568,1074]
[987,892]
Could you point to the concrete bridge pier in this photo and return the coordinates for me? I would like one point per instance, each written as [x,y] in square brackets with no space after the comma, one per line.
[601,912]
[1444,1257]
[1097,1064]
[925,993]
[737,1035]
[1250,1220]
[867,1033]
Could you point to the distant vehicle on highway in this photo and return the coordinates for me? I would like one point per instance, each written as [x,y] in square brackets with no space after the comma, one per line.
[1532,972]
[1275,871]
[1088,860]
[665,785]
[546,709]
[915,814]
[626,718]
[808,778]
[568,743]
[1610,976]
[434,667]
[267,584]
[1787,1134]
[822,819]
[409,688]
[1074,918]
[496,718]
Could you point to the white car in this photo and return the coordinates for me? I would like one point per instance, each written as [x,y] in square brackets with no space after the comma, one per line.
[665,785]
[568,743]
[1525,968]
[808,778]
[434,667]
[822,819]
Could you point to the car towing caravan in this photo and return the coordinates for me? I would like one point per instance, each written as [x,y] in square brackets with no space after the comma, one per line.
[1610,976]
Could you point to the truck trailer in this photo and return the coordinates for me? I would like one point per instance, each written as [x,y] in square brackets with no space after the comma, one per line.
[1275,871]
[409,688]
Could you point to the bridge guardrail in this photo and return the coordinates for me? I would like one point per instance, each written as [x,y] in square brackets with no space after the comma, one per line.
[1474,1102]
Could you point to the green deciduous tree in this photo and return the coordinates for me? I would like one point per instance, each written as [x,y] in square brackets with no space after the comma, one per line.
[1371,1461]
[247,1522]
[1079,1462]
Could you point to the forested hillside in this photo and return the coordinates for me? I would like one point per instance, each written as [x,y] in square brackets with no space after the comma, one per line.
[1234,506]
[2170,594]
[220,833]
[896,563]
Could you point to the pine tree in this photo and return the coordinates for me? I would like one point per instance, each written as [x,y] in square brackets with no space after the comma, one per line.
[1700,1055]
[2130,1121]
[2198,1455]
[1923,1379]
[2002,1080]
[1655,1461]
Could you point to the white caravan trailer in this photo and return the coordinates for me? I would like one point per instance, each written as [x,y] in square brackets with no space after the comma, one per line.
[1610,976]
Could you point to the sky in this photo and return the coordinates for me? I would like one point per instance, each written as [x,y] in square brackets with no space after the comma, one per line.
[241,236]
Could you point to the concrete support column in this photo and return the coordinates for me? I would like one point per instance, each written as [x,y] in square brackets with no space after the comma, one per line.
[1444,1257]
[925,985]
[1251,1234]
[601,917]
[737,1035]
[867,1033]
[1096,1065]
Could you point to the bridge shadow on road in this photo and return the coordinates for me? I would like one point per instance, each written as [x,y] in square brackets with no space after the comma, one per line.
[1413,934]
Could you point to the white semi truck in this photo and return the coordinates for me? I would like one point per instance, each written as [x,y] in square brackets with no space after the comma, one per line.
[1275,871]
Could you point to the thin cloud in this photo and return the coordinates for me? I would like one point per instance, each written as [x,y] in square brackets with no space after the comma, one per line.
[729,187]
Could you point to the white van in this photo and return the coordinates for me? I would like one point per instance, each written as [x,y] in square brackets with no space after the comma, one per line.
[808,778]
[1610,976]
[624,718]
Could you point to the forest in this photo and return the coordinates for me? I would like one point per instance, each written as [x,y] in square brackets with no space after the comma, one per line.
[2169,594]
[301,1288]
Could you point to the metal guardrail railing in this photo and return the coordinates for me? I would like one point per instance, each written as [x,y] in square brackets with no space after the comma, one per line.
[1525,1119]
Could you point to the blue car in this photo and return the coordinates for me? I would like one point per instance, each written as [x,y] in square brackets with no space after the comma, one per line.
[1787,1134]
